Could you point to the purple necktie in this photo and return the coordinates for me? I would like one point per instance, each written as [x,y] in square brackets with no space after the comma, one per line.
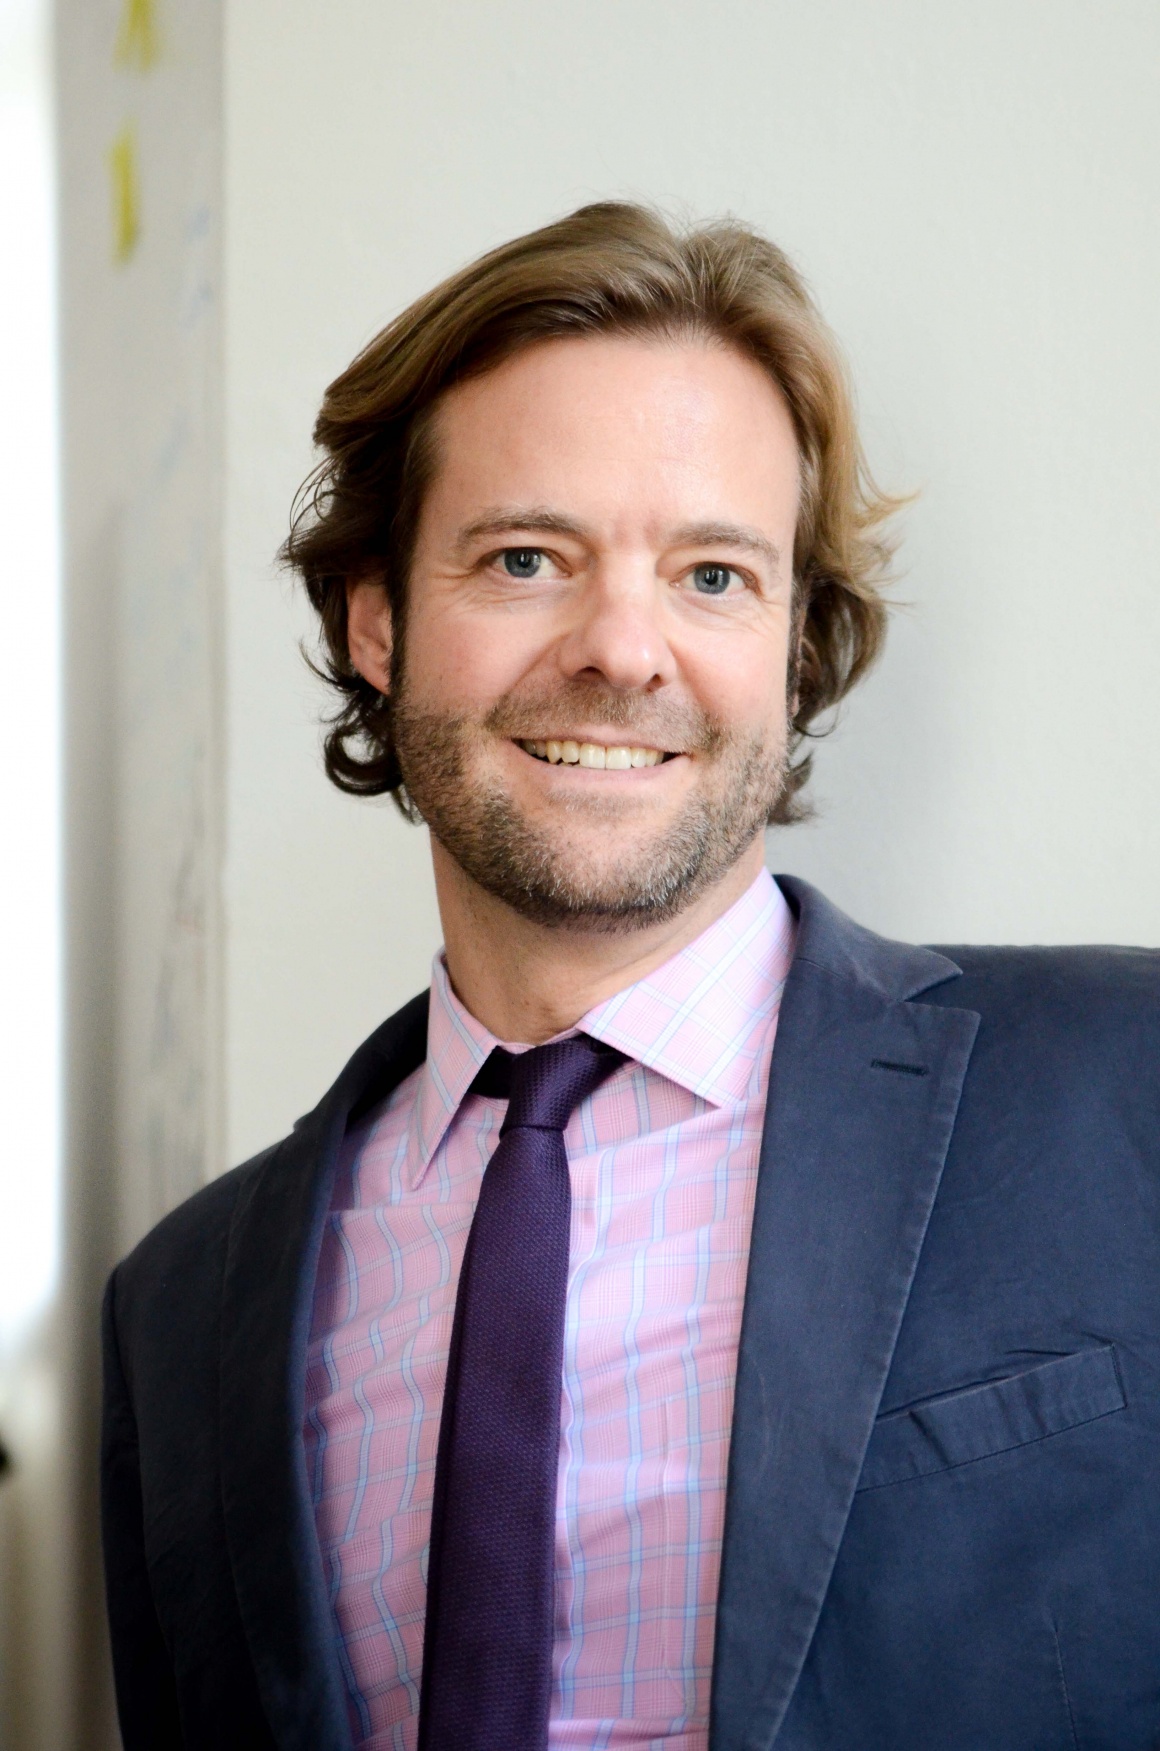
[487,1649]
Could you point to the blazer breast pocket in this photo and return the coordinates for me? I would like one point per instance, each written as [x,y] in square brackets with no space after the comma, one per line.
[993,1418]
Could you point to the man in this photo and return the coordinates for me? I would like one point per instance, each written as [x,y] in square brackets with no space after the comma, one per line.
[789,1377]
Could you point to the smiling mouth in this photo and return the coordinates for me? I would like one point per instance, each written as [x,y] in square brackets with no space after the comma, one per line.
[595,755]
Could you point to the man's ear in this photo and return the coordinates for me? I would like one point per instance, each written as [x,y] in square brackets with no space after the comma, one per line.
[368,630]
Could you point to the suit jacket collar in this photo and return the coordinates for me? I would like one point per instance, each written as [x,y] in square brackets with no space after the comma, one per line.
[851,1158]
[863,1091]
[832,942]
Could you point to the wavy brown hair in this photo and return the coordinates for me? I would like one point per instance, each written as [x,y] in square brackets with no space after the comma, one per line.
[611,268]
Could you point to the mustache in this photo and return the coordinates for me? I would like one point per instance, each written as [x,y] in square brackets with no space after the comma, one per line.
[677,726]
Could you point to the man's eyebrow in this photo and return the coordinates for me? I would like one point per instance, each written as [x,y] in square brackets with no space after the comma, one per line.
[529,519]
[727,535]
[540,520]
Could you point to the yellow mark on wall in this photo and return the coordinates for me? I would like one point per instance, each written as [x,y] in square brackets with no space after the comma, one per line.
[125,184]
[138,38]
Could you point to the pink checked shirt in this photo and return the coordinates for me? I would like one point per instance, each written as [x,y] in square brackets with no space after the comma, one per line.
[663,1161]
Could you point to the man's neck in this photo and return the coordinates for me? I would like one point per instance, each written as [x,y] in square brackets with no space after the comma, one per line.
[527,982]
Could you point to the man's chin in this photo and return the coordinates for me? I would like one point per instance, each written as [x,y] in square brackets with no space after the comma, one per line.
[601,885]
[591,909]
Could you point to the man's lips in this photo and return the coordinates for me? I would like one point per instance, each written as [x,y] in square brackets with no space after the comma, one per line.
[595,756]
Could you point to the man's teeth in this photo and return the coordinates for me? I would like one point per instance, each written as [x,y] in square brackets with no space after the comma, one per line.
[594,754]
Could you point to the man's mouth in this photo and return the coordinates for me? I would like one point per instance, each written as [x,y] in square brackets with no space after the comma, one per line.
[595,755]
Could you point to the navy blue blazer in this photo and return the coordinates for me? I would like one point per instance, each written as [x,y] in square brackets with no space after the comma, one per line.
[943,1518]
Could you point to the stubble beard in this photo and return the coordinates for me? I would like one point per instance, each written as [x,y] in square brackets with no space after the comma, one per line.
[650,879]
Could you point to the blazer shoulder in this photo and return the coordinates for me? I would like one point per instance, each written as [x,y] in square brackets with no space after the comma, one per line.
[1080,981]
[188,1244]
[1062,1026]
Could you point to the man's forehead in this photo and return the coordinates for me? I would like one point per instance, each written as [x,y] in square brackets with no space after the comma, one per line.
[595,369]
[678,437]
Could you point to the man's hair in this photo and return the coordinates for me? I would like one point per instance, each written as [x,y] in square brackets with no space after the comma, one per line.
[612,268]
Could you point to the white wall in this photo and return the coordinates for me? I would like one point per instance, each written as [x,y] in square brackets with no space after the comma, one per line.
[971,191]
[140,374]
[34,1556]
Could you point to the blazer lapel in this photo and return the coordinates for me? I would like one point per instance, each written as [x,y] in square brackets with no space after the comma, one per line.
[266,1308]
[863,1092]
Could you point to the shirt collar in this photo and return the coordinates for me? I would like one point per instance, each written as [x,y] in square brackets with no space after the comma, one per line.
[458,1046]
[701,1019]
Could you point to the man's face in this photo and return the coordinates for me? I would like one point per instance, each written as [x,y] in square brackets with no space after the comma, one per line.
[593,717]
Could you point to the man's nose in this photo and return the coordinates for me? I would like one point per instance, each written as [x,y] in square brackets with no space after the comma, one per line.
[619,632]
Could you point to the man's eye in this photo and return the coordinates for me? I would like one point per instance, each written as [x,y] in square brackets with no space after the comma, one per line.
[522,562]
[713,580]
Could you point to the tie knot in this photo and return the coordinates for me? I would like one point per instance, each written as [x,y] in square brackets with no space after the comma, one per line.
[544,1087]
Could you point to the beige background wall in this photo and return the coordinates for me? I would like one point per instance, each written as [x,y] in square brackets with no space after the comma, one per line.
[971,191]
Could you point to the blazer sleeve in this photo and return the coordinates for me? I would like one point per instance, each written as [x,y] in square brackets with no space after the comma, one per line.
[147,1703]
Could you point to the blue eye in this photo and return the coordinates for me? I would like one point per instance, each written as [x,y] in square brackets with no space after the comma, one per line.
[522,562]
[712,580]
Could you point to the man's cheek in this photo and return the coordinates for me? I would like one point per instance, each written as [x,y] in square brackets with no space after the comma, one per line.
[476,672]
